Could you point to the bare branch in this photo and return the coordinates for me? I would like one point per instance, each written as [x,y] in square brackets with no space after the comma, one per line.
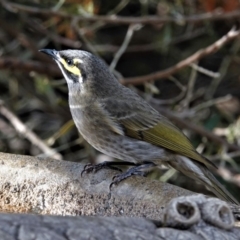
[205,71]
[229,176]
[48,186]
[23,39]
[185,218]
[28,66]
[150,46]
[231,35]
[113,19]
[27,133]
[124,46]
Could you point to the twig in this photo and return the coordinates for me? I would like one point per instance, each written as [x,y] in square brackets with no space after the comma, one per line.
[228,176]
[124,46]
[23,39]
[211,16]
[205,71]
[49,34]
[58,5]
[27,133]
[171,100]
[223,71]
[150,46]
[168,175]
[122,4]
[231,35]
[229,155]
[210,103]
[190,88]
[97,25]
[90,47]
[28,66]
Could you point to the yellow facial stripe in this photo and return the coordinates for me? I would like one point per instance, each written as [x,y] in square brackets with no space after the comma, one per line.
[73,69]
[77,61]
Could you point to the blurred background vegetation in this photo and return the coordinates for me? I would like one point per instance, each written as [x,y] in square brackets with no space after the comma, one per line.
[204,96]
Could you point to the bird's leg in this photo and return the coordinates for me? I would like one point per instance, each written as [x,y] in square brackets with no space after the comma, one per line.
[107,164]
[139,170]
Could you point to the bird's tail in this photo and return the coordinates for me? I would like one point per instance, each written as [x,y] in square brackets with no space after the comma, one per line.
[218,189]
[200,172]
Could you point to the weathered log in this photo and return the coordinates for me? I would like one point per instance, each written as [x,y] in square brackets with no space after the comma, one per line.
[185,218]
[48,186]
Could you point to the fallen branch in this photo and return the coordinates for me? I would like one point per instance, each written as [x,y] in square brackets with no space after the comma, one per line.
[48,186]
[185,218]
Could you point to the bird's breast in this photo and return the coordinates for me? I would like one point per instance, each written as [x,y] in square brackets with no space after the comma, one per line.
[91,123]
[100,132]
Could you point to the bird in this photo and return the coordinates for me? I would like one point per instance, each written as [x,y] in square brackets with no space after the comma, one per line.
[119,123]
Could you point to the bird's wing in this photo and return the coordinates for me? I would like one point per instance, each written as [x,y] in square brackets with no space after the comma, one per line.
[139,120]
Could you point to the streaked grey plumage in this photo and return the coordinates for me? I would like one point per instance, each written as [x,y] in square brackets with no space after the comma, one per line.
[117,122]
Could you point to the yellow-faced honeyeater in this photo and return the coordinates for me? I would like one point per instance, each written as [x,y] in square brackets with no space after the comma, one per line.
[119,123]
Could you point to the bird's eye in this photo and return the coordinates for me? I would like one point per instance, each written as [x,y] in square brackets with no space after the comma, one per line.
[70,62]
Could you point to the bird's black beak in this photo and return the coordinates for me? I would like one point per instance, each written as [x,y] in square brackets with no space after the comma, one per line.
[51,52]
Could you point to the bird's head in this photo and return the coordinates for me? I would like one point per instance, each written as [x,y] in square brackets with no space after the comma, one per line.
[86,74]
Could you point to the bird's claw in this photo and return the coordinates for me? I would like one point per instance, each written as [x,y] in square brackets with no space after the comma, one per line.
[87,168]
[96,167]
[120,177]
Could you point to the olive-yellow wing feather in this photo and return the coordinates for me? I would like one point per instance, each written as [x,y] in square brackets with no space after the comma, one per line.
[139,120]
[163,134]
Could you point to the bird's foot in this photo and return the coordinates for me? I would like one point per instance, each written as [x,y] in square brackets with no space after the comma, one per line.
[140,170]
[108,164]
[96,167]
